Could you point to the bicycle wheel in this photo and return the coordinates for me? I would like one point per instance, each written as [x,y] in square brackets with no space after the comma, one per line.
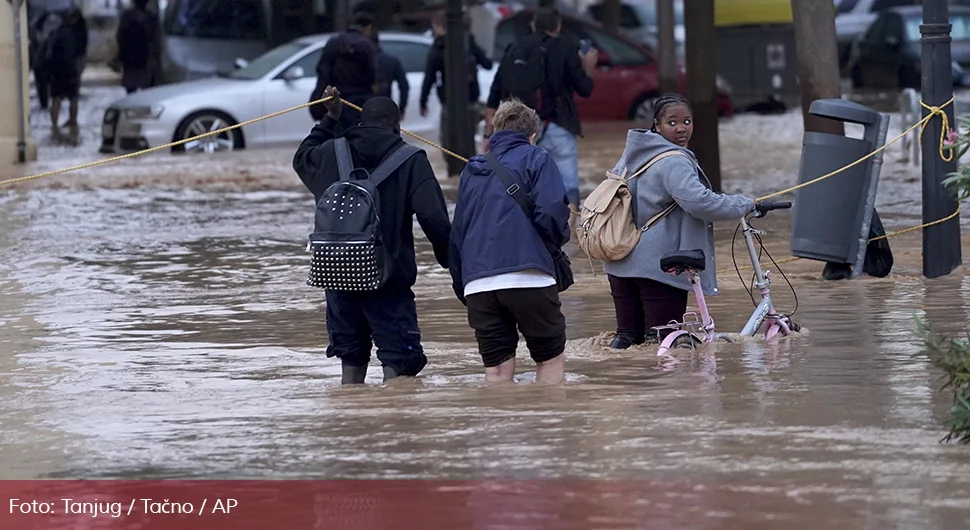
[685,342]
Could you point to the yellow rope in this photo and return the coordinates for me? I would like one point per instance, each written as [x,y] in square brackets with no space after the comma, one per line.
[922,124]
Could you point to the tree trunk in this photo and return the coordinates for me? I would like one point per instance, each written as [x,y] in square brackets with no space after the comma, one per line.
[667,46]
[701,58]
[818,60]
[610,15]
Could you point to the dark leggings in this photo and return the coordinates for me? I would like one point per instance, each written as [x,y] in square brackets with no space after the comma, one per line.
[642,304]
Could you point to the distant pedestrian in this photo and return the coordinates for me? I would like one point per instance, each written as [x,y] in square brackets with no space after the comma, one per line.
[502,245]
[544,70]
[349,63]
[64,60]
[434,76]
[139,46]
[390,70]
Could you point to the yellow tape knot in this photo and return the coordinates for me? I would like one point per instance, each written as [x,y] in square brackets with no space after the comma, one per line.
[944,129]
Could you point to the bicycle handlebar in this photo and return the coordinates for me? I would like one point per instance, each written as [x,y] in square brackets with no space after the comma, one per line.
[762,208]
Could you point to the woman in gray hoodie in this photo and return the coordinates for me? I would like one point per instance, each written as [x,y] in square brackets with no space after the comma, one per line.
[644,296]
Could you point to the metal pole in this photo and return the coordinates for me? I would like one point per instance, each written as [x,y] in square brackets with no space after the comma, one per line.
[941,243]
[456,83]
[667,45]
[19,60]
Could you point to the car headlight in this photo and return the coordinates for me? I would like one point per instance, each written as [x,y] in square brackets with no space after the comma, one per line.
[143,113]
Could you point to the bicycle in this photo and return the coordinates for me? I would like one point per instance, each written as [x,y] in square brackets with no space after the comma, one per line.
[701,328]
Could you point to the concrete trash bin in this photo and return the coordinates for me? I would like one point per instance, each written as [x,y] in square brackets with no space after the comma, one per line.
[829,215]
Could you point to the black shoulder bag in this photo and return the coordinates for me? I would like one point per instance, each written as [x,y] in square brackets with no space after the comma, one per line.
[560,261]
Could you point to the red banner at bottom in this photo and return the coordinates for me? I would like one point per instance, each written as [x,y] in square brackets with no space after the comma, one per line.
[378,504]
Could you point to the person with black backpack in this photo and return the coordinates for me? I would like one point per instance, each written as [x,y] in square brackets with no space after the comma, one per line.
[139,47]
[349,63]
[543,70]
[368,185]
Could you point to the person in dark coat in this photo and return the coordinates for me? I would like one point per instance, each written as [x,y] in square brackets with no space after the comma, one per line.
[65,63]
[434,76]
[139,46]
[349,63]
[388,315]
[500,266]
[390,70]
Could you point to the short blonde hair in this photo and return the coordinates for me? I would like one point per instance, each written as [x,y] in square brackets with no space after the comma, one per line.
[513,115]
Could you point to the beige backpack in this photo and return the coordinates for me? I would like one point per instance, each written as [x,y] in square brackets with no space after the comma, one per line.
[607,230]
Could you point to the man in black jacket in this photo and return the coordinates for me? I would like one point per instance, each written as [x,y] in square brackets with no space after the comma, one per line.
[349,63]
[388,315]
[567,71]
[390,70]
[434,76]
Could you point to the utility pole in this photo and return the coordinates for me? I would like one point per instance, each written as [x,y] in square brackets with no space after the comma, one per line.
[341,15]
[701,57]
[19,64]
[941,243]
[818,60]
[667,46]
[456,84]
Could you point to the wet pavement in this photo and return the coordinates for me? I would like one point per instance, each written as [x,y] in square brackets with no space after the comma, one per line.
[155,324]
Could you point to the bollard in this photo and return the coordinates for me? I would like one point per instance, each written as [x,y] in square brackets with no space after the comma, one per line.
[832,217]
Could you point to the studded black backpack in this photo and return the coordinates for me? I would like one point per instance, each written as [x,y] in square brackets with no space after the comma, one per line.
[348,251]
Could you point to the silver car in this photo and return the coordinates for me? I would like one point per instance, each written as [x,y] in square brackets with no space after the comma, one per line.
[281,78]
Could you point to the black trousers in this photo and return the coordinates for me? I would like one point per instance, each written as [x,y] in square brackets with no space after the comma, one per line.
[642,304]
[537,312]
[387,316]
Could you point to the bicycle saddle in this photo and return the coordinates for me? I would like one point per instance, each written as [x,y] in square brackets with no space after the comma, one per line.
[681,260]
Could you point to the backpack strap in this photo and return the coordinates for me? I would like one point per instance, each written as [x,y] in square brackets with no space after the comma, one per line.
[345,163]
[666,211]
[394,161]
[515,191]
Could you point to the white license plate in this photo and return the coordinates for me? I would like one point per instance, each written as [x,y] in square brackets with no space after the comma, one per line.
[107,131]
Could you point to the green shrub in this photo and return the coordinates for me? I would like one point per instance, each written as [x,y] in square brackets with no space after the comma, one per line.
[953,358]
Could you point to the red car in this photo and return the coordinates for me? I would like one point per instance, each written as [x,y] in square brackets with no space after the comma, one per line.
[626,80]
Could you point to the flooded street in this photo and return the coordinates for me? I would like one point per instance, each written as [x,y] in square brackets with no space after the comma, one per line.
[155,324]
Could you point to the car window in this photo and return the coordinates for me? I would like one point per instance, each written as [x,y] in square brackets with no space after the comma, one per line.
[309,62]
[881,5]
[875,33]
[266,62]
[629,17]
[413,55]
[216,19]
[621,53]
[960,30]
[846,6]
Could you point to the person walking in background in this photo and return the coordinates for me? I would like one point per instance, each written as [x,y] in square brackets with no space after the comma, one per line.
[434,76]
[643,295]
[349,63]
[390,70]
[501,265]
[64,60]
[139,46]
[386,315]
[544,70]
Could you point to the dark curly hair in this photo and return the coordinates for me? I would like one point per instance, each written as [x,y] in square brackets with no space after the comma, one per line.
[665,101]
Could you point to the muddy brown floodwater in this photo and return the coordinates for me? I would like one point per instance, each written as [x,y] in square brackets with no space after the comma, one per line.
[155,324]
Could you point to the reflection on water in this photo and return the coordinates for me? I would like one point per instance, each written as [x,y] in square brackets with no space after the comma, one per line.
[170,334]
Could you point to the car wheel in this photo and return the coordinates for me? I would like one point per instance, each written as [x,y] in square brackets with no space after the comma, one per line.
[201,123]
[642,110]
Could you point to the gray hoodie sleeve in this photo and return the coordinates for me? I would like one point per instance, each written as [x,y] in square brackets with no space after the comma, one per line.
[682,182]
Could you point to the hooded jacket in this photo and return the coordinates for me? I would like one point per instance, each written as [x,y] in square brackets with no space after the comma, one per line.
[412,190]
[688,227]
[491,234]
